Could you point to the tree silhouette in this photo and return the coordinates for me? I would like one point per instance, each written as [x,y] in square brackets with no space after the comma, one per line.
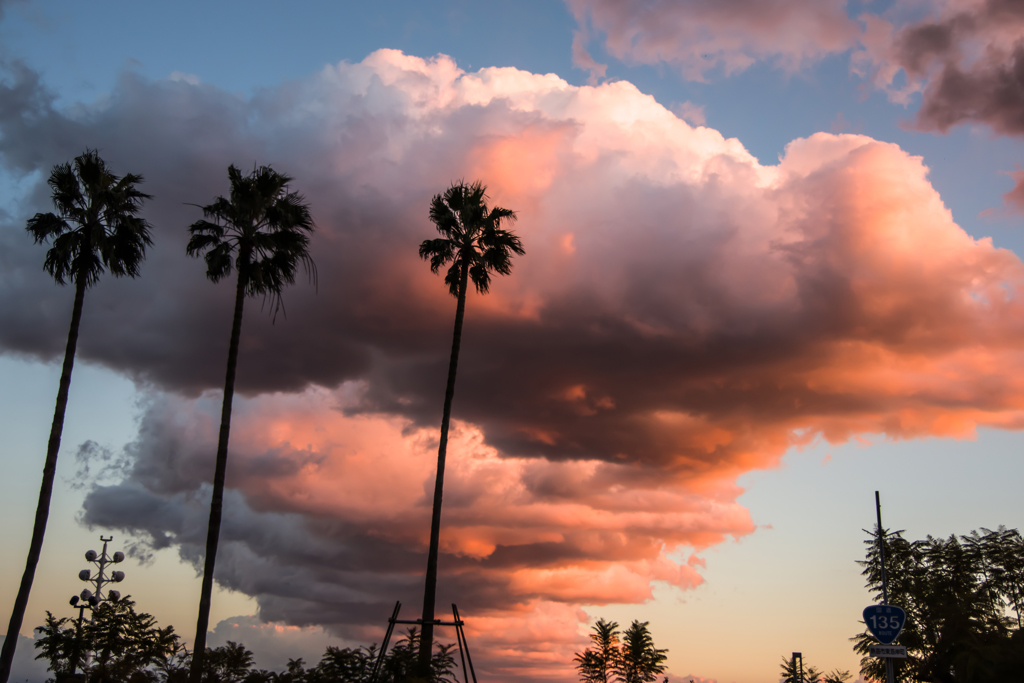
[229,663]
[837,676]
[96,227]
[124,644]
[791,672]
[261,230]
[472,245]
[639,661]
[598,664]
[957,593]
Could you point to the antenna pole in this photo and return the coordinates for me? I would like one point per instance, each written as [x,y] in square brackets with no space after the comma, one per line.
[889,674]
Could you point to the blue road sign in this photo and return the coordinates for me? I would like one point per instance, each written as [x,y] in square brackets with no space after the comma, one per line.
[885,622]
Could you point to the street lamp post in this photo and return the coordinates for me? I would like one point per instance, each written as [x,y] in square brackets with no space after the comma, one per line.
[100,578]
[88,599]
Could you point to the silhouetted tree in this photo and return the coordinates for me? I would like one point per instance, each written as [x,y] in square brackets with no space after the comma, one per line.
[791,672]
[261,230]
[343,664]
[958,594]
[634,660]
[230,663]
[639,661]
[96,227]
[599,663]
[124,644]
[401,663]
[837,676]
[59,643]
[472,245]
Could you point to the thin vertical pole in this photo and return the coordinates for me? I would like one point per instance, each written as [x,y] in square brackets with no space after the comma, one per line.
[881,550]
[384,644]
[469,658]
[460,637]
[889,674]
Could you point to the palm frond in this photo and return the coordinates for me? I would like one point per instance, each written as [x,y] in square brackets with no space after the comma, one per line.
[439,251]
[261,229]
[97,224]
[471,235]
[44,226]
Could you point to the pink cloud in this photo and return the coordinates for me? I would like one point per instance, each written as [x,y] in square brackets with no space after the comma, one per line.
[708,313]
[699,37]
[1014,199]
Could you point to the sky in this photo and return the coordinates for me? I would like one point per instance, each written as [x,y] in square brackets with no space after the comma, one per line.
[772,266]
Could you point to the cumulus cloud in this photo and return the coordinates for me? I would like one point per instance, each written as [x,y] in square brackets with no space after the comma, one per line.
[683,314]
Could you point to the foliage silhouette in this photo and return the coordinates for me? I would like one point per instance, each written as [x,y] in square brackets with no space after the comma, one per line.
[597,664]
[959,595]
[634,660]
[230,663]
[639,660]
[472,245]
[261,230]
[96,227]
[123,644]
[128,647]
[791,672]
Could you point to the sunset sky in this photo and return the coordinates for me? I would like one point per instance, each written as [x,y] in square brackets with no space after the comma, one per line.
[771,267]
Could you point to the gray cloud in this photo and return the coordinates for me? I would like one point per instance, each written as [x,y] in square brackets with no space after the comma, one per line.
[700,37]
[973,65]
[966,59]
[682,315]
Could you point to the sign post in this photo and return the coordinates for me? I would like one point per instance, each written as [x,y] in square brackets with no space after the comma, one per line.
[885,621]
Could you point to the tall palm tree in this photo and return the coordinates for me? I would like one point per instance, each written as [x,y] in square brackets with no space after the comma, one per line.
[95,228]
[473,244]
[262,231]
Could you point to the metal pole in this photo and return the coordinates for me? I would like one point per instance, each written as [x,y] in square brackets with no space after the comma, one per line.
[469,659]
[459,638]
[889,673]
[384,644]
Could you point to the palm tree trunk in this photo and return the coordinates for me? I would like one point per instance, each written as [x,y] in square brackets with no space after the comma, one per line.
[427,635]
[217,500]
[46,489]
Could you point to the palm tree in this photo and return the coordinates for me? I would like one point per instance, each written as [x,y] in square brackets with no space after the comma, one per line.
[96,227]
[473,244]
[262,231]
